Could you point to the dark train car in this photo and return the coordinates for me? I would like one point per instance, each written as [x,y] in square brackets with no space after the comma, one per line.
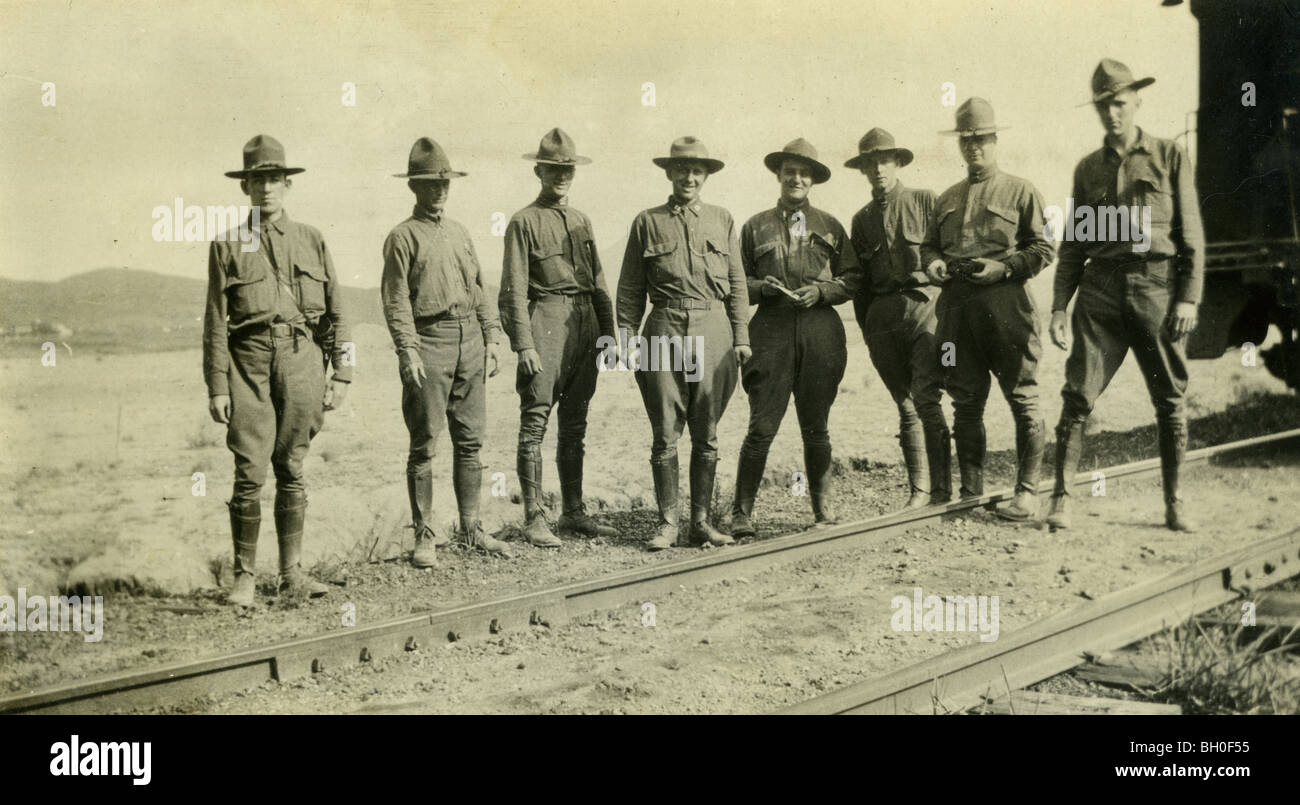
[1247,171]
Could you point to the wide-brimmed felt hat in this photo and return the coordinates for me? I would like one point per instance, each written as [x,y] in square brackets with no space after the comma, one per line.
[557,148]
[1111,78]
[803,151]
[689,149]
[262,155]
[878,141]
[975,117]
[428,161]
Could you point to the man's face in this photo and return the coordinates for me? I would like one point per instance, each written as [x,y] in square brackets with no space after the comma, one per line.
[1117,113]
[688,180]
[266,191]
[979,150]
[431,194]
[796,180]
[881,170]
[556,179]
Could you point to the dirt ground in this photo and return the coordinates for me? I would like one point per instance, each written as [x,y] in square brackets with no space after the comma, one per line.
[756,644]
[100,456]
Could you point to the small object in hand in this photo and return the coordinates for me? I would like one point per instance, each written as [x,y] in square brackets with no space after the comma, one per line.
[963,268]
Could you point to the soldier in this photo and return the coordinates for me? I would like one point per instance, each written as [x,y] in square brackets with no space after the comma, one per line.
[1141,296]
[271,320]
[554,307]
[985,240]
[798,265]
[895,309]
[445,333]
[684,255]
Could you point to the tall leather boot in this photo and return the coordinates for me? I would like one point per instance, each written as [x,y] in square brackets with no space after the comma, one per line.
[749,476]
[245,522]
[467,481]
[703,470]
[1069,446]
[918,466]
[971,445]
[1029,464]
[1173,446]
[419,489]
[290,512]
[666,480]
[574,520]
[817,463]
[938,450]
[536,528]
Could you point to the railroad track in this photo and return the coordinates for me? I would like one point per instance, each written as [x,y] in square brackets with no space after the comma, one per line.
[961,679]
[181,682]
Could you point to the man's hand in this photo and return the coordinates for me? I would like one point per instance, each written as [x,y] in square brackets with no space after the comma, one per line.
[219,408]
[530,362]
[743,353]
[937,271]
[1057,329]
[993,271]
[773,286]
[1182,320]
[492,359]
[411,367]
[807,296]
[335,394]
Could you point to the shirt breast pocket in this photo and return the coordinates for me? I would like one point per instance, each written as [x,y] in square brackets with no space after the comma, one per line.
[717,257]
[659,259]
[949,224]
[431,285]
[547,263]
[1151,188]
[821,253]
[310,276]
[999,224]
[250,289]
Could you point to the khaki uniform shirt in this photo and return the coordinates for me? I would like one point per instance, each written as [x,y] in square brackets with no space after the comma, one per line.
[1155,173]
[289,278]
[430,269]
[683,252]
[998,216]
[799,247]
[549,249]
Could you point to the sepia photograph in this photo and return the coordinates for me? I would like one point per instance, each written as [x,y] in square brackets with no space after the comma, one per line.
[597,357]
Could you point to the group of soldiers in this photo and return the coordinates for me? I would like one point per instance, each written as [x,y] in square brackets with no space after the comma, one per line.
[937,284]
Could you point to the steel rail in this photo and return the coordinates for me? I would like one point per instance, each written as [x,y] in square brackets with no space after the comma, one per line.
[240,670]
[960,679]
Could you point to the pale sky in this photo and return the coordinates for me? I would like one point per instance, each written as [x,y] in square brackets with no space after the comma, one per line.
[155,102]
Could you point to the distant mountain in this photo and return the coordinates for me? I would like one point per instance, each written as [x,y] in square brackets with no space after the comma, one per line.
[125,310]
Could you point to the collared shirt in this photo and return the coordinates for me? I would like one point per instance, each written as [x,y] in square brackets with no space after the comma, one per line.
[887,234]
[683,252]
[430,269]
[1154,174]
[802,246]
[549,250]
[998,216]
[294,282]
